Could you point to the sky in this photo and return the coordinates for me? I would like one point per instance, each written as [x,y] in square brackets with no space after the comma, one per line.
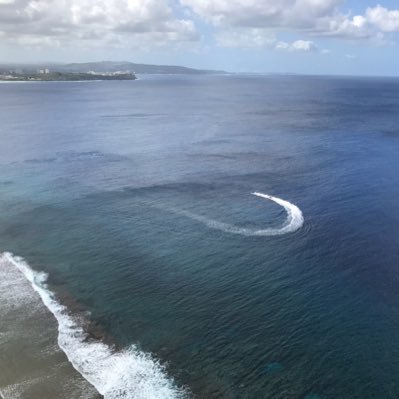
[261,36]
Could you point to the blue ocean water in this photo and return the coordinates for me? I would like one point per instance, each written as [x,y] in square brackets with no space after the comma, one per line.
[97,184]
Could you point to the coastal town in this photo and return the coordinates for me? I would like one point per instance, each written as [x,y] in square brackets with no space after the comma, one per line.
[46,74]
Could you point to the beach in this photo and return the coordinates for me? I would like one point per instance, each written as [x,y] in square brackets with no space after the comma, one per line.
[31,362]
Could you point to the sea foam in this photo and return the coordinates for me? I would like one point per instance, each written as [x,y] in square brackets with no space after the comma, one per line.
[293,222]
[126,374]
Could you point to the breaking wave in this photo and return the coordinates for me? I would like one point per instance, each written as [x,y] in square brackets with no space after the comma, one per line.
[293,222]
[127,374]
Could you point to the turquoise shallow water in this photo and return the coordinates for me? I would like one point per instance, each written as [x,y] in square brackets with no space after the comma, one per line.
[97,183]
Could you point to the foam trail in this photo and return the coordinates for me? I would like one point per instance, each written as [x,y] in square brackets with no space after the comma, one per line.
[294,220]
[128,374]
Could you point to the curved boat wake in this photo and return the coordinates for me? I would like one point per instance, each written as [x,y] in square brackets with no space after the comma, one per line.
[294,220]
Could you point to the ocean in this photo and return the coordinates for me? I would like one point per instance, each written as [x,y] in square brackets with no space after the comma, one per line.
[231,236]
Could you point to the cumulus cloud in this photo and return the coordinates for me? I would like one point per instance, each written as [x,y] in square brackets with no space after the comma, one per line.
[382,18]
[262,13]
[100,21]
[322,18]
[260,38]
[148,23]
[305,46]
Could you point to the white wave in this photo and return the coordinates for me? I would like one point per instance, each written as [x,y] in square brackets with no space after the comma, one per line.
[127,374]
[293,222]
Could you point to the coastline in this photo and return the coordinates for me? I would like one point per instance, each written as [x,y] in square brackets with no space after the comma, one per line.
[77,359]
[64,76]
[33,365]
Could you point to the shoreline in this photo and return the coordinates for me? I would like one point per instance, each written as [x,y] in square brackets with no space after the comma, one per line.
[69,81]
[108,370]
[33,365]
[55,76]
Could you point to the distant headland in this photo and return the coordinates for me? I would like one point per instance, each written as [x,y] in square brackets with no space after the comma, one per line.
[105,70]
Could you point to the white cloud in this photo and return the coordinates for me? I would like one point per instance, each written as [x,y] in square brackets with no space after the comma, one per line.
[263,38]
[138,22]
[262,13]
[149,23]
[383,19]
[322,18]
[306,46]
